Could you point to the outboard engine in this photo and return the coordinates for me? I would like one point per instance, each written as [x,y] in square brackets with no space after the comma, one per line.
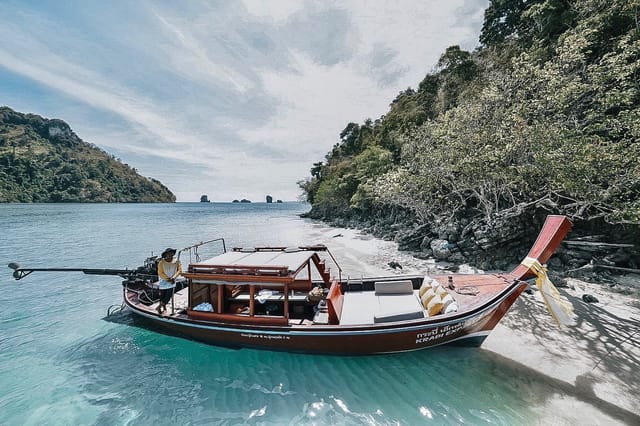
[147,273]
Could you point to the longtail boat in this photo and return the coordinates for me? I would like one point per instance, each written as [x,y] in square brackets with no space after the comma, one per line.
[288,299]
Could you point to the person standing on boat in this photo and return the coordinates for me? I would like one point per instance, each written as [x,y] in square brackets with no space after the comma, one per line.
[169,270]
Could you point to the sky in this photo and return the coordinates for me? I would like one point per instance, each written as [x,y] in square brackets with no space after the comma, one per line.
[233,99]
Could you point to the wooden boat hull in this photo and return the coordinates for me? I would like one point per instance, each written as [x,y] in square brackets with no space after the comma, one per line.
[229,299]
[467,328]
[373,316]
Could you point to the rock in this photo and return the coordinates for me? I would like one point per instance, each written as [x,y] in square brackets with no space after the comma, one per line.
[558,280]
[456,256]
[395,265]
[412,239]
[440,249]
[422,255]
[589,298]
[581,254]
[450,232]
[554,263]
[454,267]
[426,243]
[466,244]
[606,261]
[619,257]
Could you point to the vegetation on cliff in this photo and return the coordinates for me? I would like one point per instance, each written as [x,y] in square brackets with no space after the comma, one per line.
[543,118]
[45,161]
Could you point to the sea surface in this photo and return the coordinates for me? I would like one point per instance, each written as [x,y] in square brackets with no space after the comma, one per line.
[64,362]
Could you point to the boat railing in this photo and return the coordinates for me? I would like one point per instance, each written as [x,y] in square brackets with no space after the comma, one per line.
[315,248]
[193,251]
[335,262]
[239,269]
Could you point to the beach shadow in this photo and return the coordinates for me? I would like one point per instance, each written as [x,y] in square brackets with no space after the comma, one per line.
[608,341]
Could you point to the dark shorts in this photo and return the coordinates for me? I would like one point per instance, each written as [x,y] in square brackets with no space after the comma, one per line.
[165,295]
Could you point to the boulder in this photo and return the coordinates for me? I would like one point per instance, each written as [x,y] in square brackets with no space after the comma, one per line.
[412,239]
[441,249]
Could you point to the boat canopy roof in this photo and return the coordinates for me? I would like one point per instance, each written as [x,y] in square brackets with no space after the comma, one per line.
[289,260]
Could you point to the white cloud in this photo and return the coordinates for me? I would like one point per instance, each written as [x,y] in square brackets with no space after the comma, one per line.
[317,101]
[316,104]
[192,59]
[277,10]
[231,99]
[94,90]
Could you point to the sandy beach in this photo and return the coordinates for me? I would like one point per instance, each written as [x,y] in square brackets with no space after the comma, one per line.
[594,365]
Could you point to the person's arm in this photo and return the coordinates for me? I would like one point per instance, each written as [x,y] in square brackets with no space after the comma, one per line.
[161,274]
[178,270]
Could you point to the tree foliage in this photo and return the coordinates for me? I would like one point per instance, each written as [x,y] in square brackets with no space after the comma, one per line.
[44,161]
[546,114]
[525,21]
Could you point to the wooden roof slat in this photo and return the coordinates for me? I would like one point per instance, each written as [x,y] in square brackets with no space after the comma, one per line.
[292,261]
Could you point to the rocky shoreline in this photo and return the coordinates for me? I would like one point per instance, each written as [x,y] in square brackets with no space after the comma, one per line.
[594,251]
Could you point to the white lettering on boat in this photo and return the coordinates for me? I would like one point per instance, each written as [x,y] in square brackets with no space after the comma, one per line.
[265,336]
[438,333]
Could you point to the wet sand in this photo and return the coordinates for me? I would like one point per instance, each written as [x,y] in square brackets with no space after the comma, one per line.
[595,366]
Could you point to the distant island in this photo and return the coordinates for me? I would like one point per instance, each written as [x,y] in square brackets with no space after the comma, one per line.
[44,161]
[270,199]
[204,199]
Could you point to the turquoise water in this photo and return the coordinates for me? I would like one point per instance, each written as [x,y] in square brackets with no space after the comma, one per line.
[62,362]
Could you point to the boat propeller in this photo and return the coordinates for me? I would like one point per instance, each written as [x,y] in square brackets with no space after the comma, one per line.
[17,274]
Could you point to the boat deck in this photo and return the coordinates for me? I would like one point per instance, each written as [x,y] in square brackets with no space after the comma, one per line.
[364,307]
[180,303]
[367,307]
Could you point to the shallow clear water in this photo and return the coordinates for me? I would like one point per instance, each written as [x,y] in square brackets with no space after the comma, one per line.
[62,362]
